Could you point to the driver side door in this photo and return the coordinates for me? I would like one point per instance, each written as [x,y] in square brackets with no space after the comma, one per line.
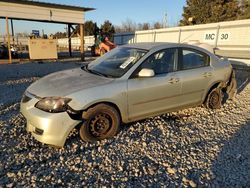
[148,96]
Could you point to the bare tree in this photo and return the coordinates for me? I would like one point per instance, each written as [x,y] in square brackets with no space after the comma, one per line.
[24,34]
[145,26]
[118,29]
[139,26]
[158,25]
[128,26]
[131,26]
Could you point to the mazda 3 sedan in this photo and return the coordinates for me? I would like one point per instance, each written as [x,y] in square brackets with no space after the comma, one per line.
[129,83]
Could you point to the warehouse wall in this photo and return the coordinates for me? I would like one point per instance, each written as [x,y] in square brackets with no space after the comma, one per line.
[62,43]
[75,42]
[226,36]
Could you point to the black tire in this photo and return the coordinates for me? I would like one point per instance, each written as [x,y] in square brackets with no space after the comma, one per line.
[214,99]
[100,122]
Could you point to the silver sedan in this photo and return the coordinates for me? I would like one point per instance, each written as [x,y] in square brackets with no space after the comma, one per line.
[130,83]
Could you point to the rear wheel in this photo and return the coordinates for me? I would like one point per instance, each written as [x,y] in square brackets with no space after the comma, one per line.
[214,99]
[100,122]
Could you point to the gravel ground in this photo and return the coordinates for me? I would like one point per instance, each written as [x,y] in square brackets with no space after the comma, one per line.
[195,147]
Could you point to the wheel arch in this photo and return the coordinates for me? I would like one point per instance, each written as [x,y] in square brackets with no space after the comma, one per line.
[109,104]
[214,85]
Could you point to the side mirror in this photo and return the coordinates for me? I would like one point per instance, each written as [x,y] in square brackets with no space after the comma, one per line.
[146,73]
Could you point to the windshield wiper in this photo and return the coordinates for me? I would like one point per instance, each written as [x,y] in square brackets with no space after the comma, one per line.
[95,72]
[85,67]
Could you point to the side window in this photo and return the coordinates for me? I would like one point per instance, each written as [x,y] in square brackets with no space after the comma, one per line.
[192,59]
[161,62]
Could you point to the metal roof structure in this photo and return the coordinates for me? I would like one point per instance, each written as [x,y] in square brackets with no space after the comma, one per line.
[51,5]
[42,11]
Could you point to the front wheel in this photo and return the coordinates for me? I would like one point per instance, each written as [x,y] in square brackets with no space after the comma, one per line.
[100,122]
[214,99]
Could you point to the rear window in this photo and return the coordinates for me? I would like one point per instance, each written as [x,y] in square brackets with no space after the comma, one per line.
[191,59]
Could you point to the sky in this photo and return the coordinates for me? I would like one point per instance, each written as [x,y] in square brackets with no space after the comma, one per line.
[116,11]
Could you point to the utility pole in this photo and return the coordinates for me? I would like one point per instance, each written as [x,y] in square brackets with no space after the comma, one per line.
[165,20]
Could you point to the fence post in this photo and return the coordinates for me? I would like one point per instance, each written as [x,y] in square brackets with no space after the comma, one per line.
[179,38]
[154,36]
[217,36]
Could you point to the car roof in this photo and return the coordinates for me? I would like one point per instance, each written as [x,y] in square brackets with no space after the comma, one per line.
[162,45]
[148,45]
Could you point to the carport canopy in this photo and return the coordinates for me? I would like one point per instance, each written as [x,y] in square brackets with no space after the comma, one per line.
[44,12]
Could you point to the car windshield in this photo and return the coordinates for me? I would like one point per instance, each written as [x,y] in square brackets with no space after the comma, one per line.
[117,62]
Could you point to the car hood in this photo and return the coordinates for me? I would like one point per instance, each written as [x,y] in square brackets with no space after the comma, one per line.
[66,82]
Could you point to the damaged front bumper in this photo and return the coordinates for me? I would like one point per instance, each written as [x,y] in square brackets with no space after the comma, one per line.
[48,128]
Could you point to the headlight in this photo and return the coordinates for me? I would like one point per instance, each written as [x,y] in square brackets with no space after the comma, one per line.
[53,104]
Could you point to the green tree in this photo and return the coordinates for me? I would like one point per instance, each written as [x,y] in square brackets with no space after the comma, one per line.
[244,9]
[206,11]
[195,10]
[90,28]
[224,10]
[108,28]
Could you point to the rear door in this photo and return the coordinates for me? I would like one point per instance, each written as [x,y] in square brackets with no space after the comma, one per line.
[196,73]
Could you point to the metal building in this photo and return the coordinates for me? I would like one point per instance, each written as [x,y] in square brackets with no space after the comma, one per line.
[230,39]
[44,12]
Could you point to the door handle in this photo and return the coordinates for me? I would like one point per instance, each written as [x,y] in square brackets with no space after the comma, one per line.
[173,80]
[177,80]
[207,74]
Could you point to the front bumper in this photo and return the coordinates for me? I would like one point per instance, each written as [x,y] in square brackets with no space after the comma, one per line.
[48,128]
